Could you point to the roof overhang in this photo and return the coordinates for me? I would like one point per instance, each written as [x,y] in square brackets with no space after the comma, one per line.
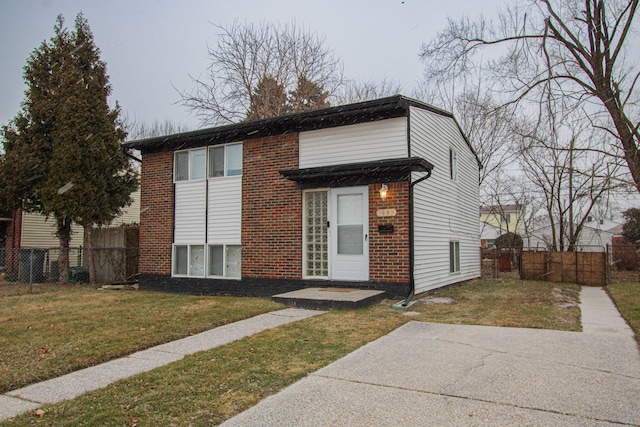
[389,170]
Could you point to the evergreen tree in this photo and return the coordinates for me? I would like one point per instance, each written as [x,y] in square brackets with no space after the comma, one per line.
[268,99]
[308,96]
[63,154]
[631,227]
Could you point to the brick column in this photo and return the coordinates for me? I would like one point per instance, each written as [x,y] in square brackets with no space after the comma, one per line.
[389,253]
[271,210]
[156,213]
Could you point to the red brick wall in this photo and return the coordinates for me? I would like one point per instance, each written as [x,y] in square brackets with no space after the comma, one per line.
[14,230]
[271,210]
[156,213]
[389,253]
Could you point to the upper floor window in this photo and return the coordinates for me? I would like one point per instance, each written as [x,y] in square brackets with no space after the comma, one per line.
[505,218]
[224,160]
[190,165]
[453,164]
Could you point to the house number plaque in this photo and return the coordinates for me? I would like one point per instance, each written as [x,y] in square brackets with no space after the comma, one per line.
[386,212]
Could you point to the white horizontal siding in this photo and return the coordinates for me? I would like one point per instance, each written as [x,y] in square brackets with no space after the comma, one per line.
[190,212]
[225,210]
[40,232]
[384,139]
[130,214]
[444,210]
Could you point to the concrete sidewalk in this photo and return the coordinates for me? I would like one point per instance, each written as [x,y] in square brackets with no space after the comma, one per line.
[451,375]
[76,383]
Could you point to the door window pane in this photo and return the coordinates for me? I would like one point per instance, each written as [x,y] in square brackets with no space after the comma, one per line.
[234,160]
[350,241]
[216,162]
[196,261]
[198,163]
[350,209]
[182,166]
[350,227]
[180,260]
[216,260]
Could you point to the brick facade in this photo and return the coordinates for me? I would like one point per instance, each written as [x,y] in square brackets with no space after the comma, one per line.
[156,213]
[389,253]
[271,228]
[271,210]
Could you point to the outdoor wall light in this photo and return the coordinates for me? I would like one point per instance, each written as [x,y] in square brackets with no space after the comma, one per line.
[383,191]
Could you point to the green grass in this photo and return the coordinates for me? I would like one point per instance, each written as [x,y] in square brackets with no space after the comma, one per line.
[211,386]
[626,296]
[47,334]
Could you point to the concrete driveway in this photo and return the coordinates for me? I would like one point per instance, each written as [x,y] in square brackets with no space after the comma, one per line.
[425,374]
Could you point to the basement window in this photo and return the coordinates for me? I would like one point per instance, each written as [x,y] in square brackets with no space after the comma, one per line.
[225,261]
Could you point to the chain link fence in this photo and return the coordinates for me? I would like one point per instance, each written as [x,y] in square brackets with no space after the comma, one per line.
[53,266]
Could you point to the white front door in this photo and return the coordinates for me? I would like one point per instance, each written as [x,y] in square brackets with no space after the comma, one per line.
[349,225]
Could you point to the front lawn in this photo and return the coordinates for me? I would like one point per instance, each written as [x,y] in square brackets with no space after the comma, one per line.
[211,386]
[48,334]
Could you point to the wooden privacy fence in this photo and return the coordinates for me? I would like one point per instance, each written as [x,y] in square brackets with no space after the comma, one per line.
[583,268]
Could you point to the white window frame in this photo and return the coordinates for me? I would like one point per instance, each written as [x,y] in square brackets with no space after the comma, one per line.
[207,171]
[453,164]
[225,148]
[225,272]
[189,165]
[454,256]
[189,264]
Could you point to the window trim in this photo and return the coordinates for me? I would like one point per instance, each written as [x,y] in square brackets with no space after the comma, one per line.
[207,168]
[453,164]
[454,257]
[224,261]
[225,157]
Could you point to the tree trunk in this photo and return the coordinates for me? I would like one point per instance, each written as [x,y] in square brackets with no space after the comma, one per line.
[64,237]
[88,245]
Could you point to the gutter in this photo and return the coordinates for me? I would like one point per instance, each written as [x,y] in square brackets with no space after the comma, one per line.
[403,305]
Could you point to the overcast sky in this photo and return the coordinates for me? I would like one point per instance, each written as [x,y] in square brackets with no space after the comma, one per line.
[152,46]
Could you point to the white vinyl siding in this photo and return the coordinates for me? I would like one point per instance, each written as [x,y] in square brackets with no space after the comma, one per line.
[384,139]
[40,232]
[225,210]
[445,210]
[190,202]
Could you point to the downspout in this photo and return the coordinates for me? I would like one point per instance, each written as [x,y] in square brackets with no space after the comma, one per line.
[412,283]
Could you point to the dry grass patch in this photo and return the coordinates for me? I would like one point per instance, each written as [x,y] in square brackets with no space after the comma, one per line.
[48,334]
[212,386]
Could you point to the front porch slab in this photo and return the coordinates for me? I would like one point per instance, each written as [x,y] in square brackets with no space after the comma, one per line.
[328,298]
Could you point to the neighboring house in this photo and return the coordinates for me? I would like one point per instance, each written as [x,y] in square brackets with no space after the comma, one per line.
[590,240]
[488,235]
[278,204]
[507,218]
[32,230]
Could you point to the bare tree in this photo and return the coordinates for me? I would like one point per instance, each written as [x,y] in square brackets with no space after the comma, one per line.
[137,129]
[251,59]
[365,90]
[569,176]
[567,52]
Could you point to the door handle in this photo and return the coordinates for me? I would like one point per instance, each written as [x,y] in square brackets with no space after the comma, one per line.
[366,236]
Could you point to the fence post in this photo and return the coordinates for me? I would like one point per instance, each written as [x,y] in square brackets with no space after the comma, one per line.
[31,271]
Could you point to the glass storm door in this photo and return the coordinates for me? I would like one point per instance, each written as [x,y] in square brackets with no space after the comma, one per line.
[349,233]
